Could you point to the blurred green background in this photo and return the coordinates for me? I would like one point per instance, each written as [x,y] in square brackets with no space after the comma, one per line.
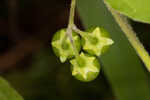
[29,64]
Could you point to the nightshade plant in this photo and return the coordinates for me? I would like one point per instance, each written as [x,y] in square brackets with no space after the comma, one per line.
[125,74]
[66,44]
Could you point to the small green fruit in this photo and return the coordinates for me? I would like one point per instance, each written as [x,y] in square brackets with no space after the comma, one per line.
[96,41]
[85,68]
[62,46]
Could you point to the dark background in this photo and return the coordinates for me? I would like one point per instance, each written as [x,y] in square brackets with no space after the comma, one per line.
[26,57]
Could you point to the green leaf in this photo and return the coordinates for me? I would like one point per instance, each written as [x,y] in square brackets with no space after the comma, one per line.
[122,67]
[7,92]
[138,10]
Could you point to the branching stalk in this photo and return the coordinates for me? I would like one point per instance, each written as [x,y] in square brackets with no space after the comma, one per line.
[70,25]
[80,32]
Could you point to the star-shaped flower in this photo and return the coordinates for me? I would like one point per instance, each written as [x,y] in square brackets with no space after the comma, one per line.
[95,42]
[85,68]
[62,45]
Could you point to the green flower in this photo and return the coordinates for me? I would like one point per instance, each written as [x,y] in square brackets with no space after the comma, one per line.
[85,68]
[96,41]
[62,46]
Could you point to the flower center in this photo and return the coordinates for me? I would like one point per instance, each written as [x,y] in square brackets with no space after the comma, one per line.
[93,40]
[81,62]
[65,45]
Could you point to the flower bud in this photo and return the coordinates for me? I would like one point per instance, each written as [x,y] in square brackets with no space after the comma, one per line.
[85,68]
[96,41]
[62,46]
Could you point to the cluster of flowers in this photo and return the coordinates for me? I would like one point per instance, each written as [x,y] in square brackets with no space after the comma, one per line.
[90,45]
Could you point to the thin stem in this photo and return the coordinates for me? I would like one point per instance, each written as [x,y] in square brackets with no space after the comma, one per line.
[131,35]
[80,32]
[72,13]
[70,24]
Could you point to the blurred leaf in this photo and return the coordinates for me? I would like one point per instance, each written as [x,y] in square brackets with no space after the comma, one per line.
[135,9]
[7,92]
[121,65]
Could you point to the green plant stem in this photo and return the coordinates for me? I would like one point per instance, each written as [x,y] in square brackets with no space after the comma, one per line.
[72,13]
[70,24]
[80,32]
[131,35]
